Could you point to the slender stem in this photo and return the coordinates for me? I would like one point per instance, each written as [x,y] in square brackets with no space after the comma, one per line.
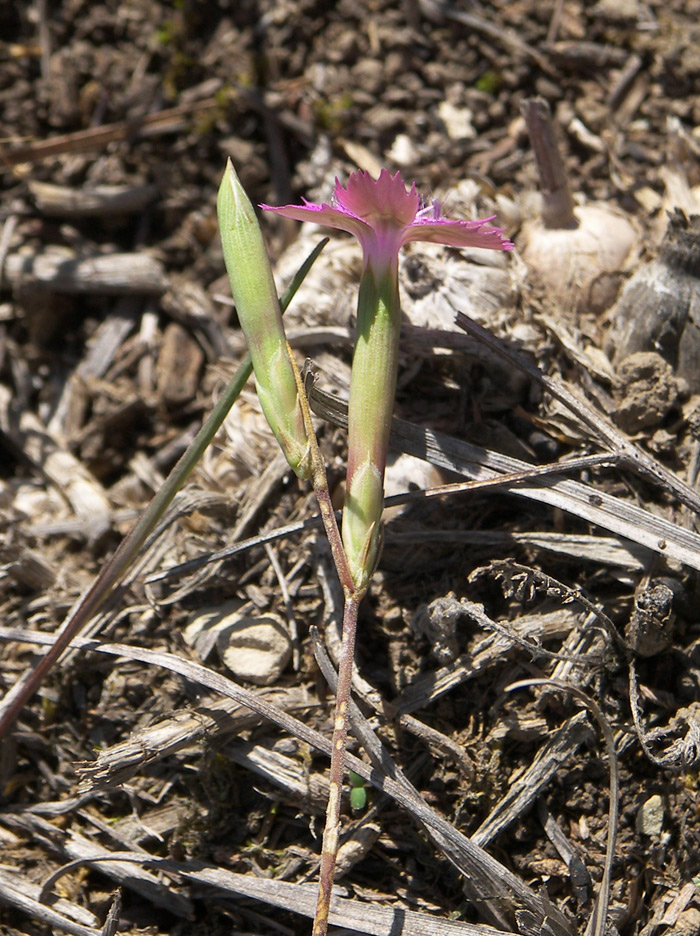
[320,486]
[353,596]
[329,850]
[111,574]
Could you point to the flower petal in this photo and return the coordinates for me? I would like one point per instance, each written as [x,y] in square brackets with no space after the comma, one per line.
[380,201]
[326,215]
[457,234]
[383,216]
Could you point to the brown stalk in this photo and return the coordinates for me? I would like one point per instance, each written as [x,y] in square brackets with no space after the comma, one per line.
[331,832]
[352,599]
[557,203]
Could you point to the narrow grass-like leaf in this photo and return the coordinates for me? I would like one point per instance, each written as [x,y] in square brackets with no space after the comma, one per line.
[127,551]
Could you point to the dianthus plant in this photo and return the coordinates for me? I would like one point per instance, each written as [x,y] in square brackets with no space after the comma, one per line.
[383,215]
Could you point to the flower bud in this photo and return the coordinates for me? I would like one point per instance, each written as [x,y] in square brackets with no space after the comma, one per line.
[257,305]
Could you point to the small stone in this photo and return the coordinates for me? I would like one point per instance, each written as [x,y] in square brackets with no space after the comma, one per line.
[256,649]
[457,121]
[650,818]
[403,151]
[202,630]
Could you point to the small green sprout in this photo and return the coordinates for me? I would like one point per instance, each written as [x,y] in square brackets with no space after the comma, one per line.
[358,792]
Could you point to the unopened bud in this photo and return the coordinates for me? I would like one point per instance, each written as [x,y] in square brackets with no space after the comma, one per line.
[257,305]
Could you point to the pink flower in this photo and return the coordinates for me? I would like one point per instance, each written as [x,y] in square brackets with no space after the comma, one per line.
[383,216]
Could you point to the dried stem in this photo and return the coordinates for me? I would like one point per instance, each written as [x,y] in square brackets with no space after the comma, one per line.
[558,205]
[353,597]
[331,832]
[320,486]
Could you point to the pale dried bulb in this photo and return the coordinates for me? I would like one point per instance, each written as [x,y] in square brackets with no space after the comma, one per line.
[581,267]
[577,252]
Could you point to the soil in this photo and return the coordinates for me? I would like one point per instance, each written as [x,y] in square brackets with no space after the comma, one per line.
[116,338]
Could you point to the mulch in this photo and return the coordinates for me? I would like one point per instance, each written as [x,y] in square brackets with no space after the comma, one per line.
[146,789]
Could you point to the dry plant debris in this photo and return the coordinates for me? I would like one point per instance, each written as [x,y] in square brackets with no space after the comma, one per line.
[143,790]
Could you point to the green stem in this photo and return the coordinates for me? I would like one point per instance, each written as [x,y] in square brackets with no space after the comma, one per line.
[371,404]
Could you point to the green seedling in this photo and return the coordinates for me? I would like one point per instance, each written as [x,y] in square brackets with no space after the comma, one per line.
[358,792]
